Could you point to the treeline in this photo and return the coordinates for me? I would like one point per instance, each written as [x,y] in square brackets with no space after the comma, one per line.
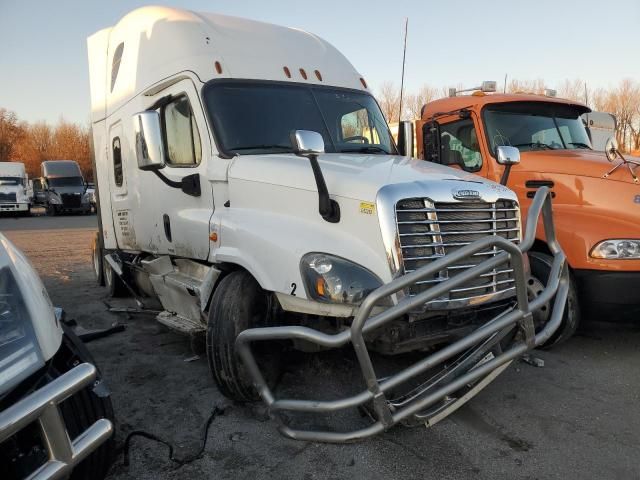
[623,101]
[32,143]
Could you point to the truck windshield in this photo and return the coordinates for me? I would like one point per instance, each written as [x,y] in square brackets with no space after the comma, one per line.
[65,182]
[536,126]
[11,181]
[257,118]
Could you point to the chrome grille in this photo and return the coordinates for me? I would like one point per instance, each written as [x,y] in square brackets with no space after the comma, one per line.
[71,200]
[428,231]
[8,197]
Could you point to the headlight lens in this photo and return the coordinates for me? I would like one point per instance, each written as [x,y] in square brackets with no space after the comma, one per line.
[55,199]
[333,279]
[617,249]
[20,354]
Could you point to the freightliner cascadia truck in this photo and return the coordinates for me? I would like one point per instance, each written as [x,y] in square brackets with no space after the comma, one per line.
[247,181]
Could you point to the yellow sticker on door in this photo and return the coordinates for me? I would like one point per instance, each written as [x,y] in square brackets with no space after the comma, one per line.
[367,208]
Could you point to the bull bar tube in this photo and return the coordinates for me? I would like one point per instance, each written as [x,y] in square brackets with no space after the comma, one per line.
[386,414]
[42,405]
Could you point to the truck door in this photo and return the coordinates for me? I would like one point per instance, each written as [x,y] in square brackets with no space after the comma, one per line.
[181,221]
[454,143]
[120,201]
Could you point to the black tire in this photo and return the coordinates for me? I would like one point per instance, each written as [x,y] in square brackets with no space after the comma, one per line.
[541,268]
[112,281]
[51,211]
[84,408]
[238,303]
[97,259]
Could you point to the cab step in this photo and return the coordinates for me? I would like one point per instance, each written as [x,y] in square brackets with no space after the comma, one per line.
[180,324]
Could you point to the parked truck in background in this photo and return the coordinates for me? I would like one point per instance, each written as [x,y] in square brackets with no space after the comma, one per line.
[247,180]
[596,209]
[61,188]
[14,188]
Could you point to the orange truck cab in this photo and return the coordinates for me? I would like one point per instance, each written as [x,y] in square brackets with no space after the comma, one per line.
[597,215]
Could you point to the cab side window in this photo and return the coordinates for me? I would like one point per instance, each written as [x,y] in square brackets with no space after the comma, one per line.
[116,151]
[459,145]
[182,138]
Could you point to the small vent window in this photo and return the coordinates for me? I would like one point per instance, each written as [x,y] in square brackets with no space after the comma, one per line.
[115,65]
[117,161]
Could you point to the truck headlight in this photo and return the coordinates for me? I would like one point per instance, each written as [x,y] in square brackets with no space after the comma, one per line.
[20,354]
[333,279]
[55,199]
[617,249]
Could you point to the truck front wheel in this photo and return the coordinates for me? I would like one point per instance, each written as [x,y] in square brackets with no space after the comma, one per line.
[98,259]
[541,268]
[238,303]
[113,282]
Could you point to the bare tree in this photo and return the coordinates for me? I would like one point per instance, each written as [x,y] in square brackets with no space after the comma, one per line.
[10,133]
[536,86]
[573,90]
[389,100]
[415,102]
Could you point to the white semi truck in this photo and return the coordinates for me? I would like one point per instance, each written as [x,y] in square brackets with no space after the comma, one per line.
[248,181]
[14,188]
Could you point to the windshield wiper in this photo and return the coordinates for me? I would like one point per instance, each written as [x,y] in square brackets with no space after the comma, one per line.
[580,145]
[536,144]
[287,148]
[365,149]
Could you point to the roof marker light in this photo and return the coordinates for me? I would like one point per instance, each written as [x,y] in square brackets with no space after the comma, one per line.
[287,72]
[218,67]
[364,84]
[303,73]
[318,75]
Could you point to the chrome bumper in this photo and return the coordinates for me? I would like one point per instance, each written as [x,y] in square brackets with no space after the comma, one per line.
[472,368]
[42,406]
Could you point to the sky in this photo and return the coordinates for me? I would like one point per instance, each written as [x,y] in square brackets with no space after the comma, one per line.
[43,53]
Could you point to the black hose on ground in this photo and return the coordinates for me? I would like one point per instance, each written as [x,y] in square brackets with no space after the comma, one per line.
[180,461]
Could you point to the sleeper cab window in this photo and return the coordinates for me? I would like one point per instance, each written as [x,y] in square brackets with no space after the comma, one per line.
[117,161]
[182,139]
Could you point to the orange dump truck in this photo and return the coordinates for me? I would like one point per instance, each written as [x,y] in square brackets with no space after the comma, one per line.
[545,143]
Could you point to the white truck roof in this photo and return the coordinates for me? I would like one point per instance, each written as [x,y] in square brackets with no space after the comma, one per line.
[12,169]
[151,44]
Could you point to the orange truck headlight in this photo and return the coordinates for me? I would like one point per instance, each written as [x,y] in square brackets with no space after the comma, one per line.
[617,249]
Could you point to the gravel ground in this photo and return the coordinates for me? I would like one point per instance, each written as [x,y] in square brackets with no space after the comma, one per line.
[577,417]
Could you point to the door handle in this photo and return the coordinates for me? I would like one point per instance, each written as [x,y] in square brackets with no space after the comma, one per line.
[167,226]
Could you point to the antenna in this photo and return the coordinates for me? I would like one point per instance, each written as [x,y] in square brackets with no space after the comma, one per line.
[504,90]
[404,56]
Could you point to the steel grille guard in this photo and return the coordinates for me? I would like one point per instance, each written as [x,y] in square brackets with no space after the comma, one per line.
[385,414]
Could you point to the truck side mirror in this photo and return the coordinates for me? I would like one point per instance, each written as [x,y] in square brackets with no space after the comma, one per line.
[405,138]
[148,141]
[507,156]
[310,144]
[611,149]
[306,142]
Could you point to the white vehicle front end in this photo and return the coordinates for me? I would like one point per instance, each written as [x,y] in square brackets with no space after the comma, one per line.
[34,436]
[13,194]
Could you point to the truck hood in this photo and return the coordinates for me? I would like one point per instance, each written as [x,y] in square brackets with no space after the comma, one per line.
[350,176]
[586,163]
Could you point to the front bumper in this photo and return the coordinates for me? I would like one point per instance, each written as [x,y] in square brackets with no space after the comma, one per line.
[466,364]
[42,406]
[14,207]
[608,288]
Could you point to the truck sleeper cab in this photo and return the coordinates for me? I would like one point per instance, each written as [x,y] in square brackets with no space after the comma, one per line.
[14,188]
[597,214]
[247,180]
[62,189]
